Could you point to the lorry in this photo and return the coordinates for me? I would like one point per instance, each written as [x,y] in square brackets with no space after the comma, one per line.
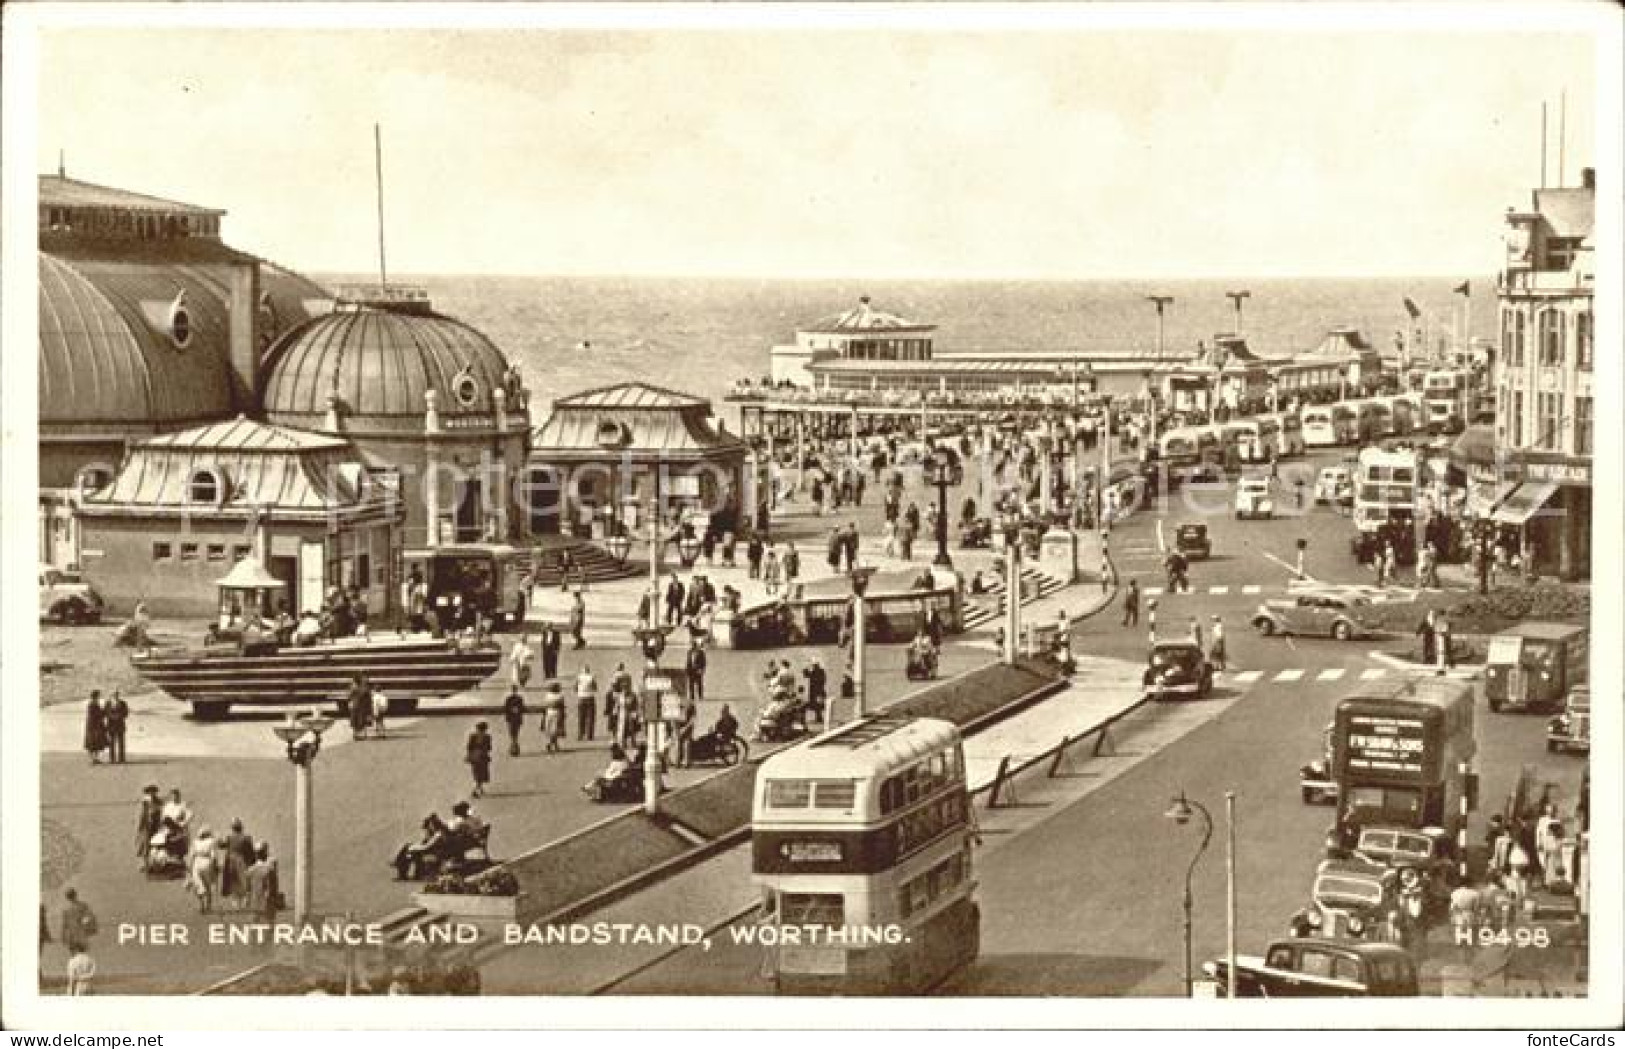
[1532,666]
[1402,758]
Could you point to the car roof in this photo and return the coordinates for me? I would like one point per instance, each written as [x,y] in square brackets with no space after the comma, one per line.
[1176,646]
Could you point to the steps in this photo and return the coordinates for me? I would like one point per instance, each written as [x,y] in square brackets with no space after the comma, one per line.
[994,602]
[593,564]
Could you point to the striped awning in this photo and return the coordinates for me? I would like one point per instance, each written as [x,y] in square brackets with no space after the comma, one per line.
[1524,502]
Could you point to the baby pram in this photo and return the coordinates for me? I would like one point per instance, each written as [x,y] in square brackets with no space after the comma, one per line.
[166,852]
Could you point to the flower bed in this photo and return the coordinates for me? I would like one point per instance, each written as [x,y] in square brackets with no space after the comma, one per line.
[1493,612]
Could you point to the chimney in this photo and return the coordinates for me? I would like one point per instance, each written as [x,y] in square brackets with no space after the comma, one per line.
[499,397]
[1588,179]
[243,334]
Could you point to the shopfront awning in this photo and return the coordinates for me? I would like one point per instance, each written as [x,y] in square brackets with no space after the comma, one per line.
[1524,502]
[1483,498]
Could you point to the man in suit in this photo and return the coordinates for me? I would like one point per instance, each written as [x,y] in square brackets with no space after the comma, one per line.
[116,715]
[550,651]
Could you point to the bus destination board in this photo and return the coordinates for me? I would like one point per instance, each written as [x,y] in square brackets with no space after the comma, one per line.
[1393,747]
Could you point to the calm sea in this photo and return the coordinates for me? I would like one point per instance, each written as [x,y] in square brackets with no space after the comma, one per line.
[699,335]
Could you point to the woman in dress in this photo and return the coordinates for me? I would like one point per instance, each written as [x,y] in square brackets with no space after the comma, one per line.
[237,856]
[95,727]
[201,870]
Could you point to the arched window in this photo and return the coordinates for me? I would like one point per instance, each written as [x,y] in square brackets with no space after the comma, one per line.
[205,487]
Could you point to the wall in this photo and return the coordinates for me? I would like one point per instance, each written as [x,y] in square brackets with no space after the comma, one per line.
[124,571]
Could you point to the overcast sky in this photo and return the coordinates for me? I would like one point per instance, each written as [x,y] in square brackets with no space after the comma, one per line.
[1105,153]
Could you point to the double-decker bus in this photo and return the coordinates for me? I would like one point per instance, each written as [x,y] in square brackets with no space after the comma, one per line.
[1290,441]
[1384,487]
[1329,425]
[861,845]
[1444,393]
[1402,758]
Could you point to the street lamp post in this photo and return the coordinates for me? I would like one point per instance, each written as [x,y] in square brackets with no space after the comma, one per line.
[1236,297]
[1180,811]
[943,470]
[652,639]
[860,576]
[302,736]
[1161,302]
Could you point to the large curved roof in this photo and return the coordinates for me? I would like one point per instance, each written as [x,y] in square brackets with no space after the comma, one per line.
[103,359]
[379,362]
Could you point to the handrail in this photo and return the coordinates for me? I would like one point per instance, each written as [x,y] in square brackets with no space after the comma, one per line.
[1010,766]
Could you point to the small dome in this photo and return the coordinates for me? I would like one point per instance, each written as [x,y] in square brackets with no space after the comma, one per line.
[378,362]
[865,318]
[124,345]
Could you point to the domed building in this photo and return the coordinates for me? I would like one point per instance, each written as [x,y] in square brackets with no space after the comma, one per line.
[148,324]
[424,399]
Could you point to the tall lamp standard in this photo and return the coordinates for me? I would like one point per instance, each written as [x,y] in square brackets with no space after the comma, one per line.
[1180,811]
[302,736]
[943,470]
[1161,302]
[652,639]
[1236,298]
[859,576]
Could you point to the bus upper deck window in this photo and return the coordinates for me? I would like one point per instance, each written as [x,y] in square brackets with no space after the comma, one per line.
[835,794]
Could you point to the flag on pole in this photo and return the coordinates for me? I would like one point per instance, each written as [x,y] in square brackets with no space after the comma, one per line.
[1410,308]
[1464,288]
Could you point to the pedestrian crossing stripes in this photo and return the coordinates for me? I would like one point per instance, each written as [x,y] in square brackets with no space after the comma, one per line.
[1218,590]
[993,605]
[1329,674]
[1252,589]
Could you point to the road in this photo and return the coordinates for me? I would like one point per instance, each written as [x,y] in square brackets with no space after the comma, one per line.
[1088,901]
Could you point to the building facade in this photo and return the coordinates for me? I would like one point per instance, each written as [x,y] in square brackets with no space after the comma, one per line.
[184,507]
[1545,404]
[604,457]
[148,323]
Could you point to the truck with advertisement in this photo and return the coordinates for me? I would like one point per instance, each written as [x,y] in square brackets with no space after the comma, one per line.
[1404,758]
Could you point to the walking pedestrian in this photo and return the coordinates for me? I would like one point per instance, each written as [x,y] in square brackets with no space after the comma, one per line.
[770,572]
[685,730]
[674,601]
[148,820]
[519,663]
[1131,603]
[553,716]
[586,689]
[95,727]
[237,857]
[1427,631]
[1196,632]
[201,870]
[1216,652]
[753,556]
[586,714]
[477,753]
[695,666]
[116,715]
[578,621]
[551,642]
[76,923]
[358,706]
[80,971]
[513,715]
[833,554]
[1447,658]
[264,885]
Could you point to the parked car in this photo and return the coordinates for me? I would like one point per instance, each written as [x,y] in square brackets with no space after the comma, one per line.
[1320,613]
[1177,668]
[1335,485]
[1315,968]
[1571,730]
[66,598]
[1253,498]
[1192,540]
[1352,899]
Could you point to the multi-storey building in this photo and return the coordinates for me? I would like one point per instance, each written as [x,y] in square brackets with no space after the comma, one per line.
[1545,405]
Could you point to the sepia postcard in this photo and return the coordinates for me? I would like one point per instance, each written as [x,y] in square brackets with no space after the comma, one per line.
[1068,516]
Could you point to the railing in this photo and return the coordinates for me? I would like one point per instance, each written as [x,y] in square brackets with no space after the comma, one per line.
[1001,790]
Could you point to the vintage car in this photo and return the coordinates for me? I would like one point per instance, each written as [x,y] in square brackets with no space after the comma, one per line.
[66,598]
[1315,782]
[1427,852]
[1192,540]
[1319,612]
[1571,730]
[1352,899]
[1253,498]
[1335,485]
[1177,668]
[1316,968]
